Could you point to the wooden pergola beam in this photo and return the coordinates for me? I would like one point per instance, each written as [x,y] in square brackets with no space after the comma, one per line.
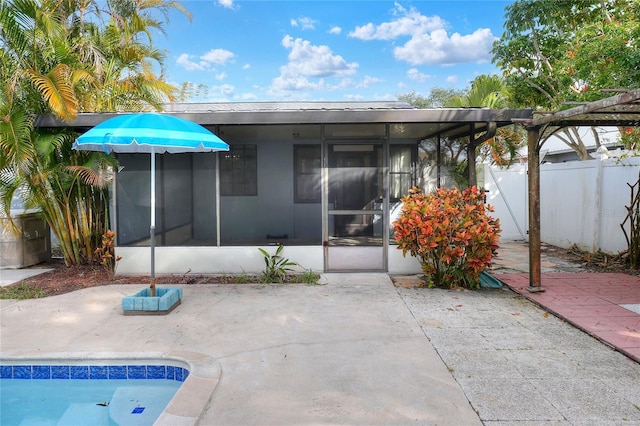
[621,99]
[561,118]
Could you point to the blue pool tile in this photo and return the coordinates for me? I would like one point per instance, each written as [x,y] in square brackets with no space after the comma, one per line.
[171,372]
[137,372]
[156,372]
[60,372]
[6,372]
[181,374]
[79,372]
[98,372]
[22,372]
[117,372]
[93,372]
[41,372]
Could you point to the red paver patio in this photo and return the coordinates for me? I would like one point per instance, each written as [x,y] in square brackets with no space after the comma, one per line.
[591,302]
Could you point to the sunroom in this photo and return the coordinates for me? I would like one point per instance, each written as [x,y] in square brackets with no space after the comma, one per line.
[322,178]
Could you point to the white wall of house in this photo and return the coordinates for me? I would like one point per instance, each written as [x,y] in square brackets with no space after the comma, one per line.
[581,202]
[235,260]
[204,260]
[399,264]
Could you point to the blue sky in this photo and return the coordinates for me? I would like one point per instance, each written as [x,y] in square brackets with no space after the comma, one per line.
[331,50]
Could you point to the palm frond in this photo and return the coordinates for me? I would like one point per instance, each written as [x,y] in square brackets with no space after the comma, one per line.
[100,178]
[57,91]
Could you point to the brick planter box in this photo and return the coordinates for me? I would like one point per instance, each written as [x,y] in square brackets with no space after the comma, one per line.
[141,303]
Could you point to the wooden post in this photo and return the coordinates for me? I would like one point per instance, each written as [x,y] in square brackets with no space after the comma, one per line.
[471,157]
[535,271]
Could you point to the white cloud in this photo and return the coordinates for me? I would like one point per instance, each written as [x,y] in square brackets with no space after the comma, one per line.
[218,56]
[429,42]
[311,68]
[246,66]
[367,81]
[205,62]
[414,74]
[335,30]
[308,60]
[407,23]
[224,90]
[304,22]
[440,48]
[185,62]
[452,79]
[221,76]
[246,97]
[226,3]
[295,84]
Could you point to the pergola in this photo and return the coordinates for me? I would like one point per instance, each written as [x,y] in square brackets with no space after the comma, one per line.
[622,110]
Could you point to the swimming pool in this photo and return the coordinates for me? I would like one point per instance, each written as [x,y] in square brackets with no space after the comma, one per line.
[96,394]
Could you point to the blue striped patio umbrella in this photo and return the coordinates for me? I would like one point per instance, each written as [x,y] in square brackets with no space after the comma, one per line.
[153,133]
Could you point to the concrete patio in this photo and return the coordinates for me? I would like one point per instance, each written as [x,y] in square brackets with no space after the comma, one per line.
[356,350]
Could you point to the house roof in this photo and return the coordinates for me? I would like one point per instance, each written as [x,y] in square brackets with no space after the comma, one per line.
[620,110]
[410,122]
[190,107]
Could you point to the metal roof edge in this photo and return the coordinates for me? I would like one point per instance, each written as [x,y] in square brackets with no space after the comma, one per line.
[300,116]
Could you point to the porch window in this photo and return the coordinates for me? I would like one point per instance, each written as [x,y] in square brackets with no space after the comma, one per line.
[306,169]
[401,178]
[400,171]
[185,199]
[239,171]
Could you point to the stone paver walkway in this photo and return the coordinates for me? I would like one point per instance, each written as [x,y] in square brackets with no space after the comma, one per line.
[605,305]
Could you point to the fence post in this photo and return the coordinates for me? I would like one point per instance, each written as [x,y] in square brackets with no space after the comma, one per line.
[598,206]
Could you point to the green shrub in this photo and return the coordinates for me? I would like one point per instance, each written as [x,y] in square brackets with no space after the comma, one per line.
[276,266]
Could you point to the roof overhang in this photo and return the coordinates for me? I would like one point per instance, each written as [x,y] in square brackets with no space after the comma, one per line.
[421,123]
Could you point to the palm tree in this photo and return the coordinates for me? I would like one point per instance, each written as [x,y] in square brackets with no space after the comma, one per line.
[489,91]
[125,80]
[56,57]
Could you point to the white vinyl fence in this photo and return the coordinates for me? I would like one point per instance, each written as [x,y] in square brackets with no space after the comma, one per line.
[581,202]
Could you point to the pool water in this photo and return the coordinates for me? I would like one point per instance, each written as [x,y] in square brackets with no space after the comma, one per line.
[86,395]
[84,402]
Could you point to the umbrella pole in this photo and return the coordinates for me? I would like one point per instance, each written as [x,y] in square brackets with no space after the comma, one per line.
[152,228]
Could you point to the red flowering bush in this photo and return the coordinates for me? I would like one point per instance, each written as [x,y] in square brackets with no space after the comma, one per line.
[450,232]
